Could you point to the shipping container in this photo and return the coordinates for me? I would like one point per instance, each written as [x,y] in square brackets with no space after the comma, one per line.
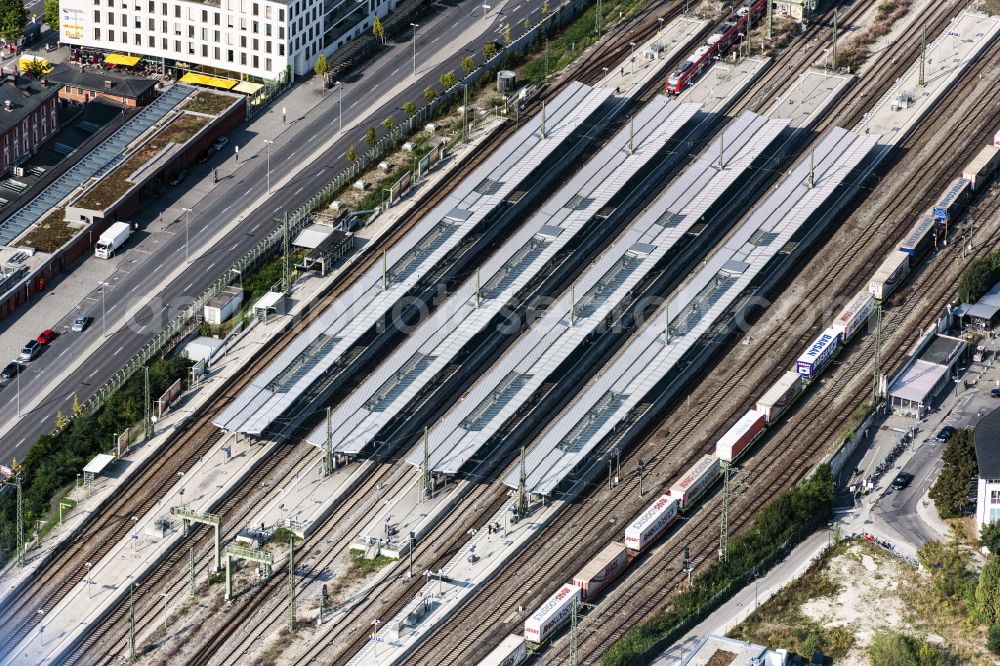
[738,438]
[982,167]
[921,237]
[695,481]
[854,315]
[510,652]
[890,274]
[819,354]
[953,200]
[551,614]
[651,523]
[779,396]
[600,571]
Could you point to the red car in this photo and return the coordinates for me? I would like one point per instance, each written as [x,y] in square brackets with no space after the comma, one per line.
[47,336]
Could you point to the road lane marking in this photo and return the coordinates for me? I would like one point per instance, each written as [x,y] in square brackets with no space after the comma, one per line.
[119,350]
[298,190]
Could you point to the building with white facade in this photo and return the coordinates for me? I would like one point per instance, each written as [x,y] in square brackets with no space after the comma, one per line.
[987,440]
[239,39]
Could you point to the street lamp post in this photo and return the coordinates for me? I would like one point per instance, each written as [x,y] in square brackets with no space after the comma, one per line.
[414,26]
[340,107]
[631,67]
[187,234]
[267,143]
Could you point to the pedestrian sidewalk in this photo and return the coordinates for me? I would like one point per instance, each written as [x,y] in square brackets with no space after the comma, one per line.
[744,602]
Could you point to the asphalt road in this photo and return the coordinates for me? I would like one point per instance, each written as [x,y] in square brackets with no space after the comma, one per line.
[442,31]
[898,508]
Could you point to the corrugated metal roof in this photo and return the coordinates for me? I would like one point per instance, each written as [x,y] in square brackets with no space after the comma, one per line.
[648,358]
[437,341]
[551,340]
[430,240]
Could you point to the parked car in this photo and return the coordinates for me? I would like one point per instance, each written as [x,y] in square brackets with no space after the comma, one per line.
[946,433]
[46,336]
[80,324]
[995,392]
[902,480]
[178,177]
[30,351]
[220,143]
[207,155]
[11,370]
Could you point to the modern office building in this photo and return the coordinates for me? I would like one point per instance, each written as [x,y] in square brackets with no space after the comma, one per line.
[239,39]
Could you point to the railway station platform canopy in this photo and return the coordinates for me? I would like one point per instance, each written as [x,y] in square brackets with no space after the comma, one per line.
[663,341]
[313,353]
[484,297]
[524,367]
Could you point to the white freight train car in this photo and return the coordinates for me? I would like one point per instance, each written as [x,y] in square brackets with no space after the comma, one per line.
[779,396]
[601,570]
[854,315]
[890,274]
[510,652]
[738,438]
[551,614]
[650,523]
[695,481]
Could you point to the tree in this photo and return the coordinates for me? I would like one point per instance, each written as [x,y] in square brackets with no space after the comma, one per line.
[468,64]
[429,95]
[77,407]
[35,68]
[545,8]
[506,34]
[988,592]
[378,30]
[993,639]
[949,567]
[527,25]
[13,16]
[61,421]
[489,50]
[409,107]
[322,67]
[389,124]
[352,153]
[979,278]
[370,137]
[990,536]
[448,79]
[51,14]
[954,483]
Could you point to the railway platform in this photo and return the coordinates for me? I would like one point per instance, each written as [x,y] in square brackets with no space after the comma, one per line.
[913,97]
[201,489]
[808,99]
[649,59]
[724,83]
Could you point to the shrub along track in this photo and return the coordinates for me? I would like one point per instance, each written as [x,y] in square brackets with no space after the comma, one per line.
[492,612]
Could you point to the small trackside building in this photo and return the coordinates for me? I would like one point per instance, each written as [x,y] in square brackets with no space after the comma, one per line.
[926,373]
[29,116]
[80,86]
[987,440]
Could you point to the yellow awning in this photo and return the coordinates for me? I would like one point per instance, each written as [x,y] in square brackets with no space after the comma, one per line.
[119,59]
[206,80]
[247,87]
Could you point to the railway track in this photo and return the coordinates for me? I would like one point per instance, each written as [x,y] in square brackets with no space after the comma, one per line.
[112,523]
[101,638]
[596,520]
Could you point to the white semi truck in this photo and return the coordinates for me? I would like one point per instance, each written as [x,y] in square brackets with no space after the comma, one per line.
[112,239]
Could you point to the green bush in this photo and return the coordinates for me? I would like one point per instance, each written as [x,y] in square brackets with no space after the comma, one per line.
[891,648]
[979,277]
[989,536]
[955,482]
[993,639]
[793,512]
[53,462]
